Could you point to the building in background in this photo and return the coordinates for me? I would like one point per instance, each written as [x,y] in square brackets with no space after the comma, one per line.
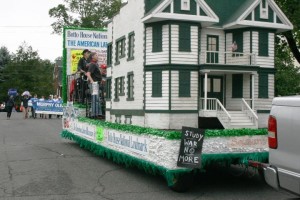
[57,76]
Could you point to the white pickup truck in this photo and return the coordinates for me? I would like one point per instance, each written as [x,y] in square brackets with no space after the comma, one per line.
[283,170]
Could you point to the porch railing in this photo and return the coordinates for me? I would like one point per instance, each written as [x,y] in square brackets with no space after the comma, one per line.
[211,104]
[250,113]
[222,114]
[227,58]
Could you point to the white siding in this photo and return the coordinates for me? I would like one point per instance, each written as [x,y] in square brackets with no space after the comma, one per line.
[153,58]
[246,42]
[264,104]
[171,121]
[122,24]
[179,57]
[157,103]
[215,32]
[184,103]
[264,61]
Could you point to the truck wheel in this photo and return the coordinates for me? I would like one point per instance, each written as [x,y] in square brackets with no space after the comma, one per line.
[182,183]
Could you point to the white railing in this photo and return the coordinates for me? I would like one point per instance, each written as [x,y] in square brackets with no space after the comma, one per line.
[250,113]
[227,58]
[210,104]
[222,114]
[213,104]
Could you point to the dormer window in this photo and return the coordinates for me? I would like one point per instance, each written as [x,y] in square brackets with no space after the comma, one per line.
[264,12]
[185,5]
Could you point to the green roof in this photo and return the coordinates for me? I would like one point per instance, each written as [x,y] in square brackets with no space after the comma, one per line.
[228,10]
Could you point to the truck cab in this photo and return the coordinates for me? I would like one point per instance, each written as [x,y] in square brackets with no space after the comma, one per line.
[283,170]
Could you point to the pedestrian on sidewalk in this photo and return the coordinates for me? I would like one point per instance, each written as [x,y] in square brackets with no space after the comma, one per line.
[9,106]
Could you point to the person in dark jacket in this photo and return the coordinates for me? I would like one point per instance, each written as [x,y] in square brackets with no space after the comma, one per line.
[25,100]
[94,76]
[82,67]
[10,103]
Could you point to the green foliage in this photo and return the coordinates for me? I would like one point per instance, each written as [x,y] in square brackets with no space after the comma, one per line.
[26,71]
[152,168]
[291,9]
[4,59]
[83,13]
[172,135]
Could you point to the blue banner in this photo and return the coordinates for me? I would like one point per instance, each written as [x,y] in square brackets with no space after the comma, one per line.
[48,107]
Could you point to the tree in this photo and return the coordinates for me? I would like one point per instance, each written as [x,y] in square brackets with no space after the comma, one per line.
[287,77]
[292,10]
[4,60]
[83,13]
[26,71]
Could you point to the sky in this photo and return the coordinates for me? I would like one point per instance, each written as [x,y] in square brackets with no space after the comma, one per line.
[29,21]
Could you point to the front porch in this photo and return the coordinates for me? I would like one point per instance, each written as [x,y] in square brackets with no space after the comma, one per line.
[229,97]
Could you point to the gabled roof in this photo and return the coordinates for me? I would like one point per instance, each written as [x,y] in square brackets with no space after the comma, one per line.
[238,18]
[228,9]
[226,14]
[157,13]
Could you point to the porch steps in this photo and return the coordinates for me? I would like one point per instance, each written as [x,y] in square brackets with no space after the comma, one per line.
[239,119]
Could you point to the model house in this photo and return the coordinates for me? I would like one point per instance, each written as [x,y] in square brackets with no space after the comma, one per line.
[198,63]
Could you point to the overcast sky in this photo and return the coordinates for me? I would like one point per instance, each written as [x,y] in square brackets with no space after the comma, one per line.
[28,20]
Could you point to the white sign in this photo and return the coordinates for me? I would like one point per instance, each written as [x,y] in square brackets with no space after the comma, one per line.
[82,129]
[85,39]
[134,143]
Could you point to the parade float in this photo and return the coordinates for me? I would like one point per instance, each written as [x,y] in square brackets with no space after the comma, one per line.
[189,84]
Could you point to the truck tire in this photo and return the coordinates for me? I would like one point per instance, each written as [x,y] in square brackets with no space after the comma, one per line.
[182,183]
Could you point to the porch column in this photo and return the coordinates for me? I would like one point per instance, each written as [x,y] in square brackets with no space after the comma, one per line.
[205,91]
[252,79]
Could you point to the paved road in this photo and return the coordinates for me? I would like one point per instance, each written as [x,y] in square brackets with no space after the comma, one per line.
[36,164]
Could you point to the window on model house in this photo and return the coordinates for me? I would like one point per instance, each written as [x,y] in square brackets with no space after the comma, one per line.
[108,88]
[130,46]
[237,38]
[156,84]
[120,49]
[130,86]
[109,54]
[184,84]
[117,89]
[122,86]
[184,37]
[263,49]
[157,38]
[263,88]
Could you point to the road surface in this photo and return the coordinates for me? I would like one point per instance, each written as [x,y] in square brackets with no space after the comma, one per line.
[37,164]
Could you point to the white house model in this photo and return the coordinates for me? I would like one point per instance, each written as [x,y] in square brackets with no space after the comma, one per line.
[198,63]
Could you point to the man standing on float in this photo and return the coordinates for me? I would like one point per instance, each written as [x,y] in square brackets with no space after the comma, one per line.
[83,68]
[94,76]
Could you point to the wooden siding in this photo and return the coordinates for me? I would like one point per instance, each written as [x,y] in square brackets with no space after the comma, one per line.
[184,103]
[181,57]
[264,61]
[261,103]
[153,58]
[157,103]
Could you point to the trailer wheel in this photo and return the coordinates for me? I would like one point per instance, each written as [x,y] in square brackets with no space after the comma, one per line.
[182,183]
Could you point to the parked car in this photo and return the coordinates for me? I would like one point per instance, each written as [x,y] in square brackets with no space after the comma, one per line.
[283,169]
[2,107]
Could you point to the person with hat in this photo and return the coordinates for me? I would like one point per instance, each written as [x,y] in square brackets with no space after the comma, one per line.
[82,67]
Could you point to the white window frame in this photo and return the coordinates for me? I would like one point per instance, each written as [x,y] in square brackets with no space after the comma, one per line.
[185,5]
[264,12]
